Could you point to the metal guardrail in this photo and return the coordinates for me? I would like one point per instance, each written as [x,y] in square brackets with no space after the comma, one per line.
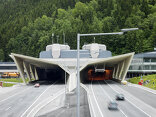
[7,63]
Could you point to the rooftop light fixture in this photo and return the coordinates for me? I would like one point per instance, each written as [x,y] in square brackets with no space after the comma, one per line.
[129,29]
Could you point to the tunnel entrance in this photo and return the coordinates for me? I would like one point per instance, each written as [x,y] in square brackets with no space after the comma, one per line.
[93,75]
[52,75]
[90,74]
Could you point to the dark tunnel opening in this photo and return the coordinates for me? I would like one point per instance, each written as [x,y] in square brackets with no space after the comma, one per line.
[52,75]
[89,74]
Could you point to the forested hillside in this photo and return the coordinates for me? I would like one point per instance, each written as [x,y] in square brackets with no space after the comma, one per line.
[26,25]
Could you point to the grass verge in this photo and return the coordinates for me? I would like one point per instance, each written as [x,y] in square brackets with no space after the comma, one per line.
[19,80]
[7,84]
[151,78]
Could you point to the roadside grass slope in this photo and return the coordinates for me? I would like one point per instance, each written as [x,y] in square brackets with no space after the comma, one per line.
[151,78]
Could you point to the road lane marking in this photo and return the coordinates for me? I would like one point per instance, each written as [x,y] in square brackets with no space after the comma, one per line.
[112,100]
[14,95]
[142,87]
[96,100]
[42,104]
[89,99]
[129,100]
[37,99]
[105,92]
[7,108]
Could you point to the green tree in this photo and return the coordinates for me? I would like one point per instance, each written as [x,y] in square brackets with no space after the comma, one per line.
[145,7]
[153,36]
[1,55]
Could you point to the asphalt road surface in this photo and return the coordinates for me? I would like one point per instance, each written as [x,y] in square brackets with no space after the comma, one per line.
[20,102]
[27,101]
[70,107]
[136,104]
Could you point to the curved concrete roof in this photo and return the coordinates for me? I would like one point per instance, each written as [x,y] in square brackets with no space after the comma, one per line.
[110,60]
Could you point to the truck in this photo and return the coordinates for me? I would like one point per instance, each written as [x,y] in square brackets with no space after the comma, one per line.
[10,75]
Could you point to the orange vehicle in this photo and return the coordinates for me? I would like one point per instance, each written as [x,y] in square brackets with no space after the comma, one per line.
[10,75]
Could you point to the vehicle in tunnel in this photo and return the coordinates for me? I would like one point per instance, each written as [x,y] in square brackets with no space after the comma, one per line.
[106,75]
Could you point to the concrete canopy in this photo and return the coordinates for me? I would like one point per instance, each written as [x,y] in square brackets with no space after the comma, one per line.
[120,64]
[29,64]
[35,61]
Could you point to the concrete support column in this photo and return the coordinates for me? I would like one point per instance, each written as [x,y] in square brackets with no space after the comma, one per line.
[118,75]
[72,82]
[117,72]
[114,72]
[36,75]
[32,72]
[20,68]
[123,63]
[26,67]
[126,66]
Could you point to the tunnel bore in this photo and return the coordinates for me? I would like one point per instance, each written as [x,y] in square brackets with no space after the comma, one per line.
[89,74]
[52,75]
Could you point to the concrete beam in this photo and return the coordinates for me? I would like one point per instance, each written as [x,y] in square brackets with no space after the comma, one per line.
[123,63]
[36,74]
[119,71]
[116,76]
[20,68]
[114,72]
[32,72]
[26,67]
[72,82]
[126,66]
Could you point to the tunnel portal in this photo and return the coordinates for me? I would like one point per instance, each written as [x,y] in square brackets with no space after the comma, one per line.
[51,75]
[93,75]
[90,74]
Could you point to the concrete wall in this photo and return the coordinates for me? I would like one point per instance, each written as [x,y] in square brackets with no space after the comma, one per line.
[73,54]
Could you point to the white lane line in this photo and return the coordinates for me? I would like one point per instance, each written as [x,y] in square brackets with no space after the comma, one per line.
[96,101]
[38,107]
[7,108]
[105,92]
[122,112]
[89,100]
[142,87]
[92,107]
[37,99]
[14,95]
[112,99]
[128,100]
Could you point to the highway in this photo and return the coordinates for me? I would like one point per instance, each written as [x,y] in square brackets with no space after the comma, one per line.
[20,102]
[102,92]
[48,100]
